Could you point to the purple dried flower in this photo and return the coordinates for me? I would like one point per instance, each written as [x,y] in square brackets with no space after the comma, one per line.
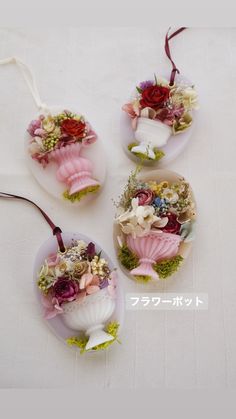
[65,289]
[144,84]
[103,283]
[91,251]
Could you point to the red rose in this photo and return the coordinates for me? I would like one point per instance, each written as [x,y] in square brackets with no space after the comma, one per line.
[173,226]
[73,128]
[154,97]
[145,196]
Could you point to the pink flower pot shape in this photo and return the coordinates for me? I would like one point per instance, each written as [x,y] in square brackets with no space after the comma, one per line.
[151,248]
[75,171]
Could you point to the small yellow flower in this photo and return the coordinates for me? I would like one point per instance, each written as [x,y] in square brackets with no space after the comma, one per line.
[152,185]
[158,187]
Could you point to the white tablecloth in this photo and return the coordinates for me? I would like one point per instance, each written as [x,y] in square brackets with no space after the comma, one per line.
[94,70]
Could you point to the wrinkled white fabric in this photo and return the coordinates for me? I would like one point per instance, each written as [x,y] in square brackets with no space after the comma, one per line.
[95,70]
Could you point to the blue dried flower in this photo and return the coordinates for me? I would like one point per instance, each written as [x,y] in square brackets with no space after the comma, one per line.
[159,202]
[160,205]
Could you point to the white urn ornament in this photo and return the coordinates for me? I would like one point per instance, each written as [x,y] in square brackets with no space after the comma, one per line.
[90,315]
[150,134]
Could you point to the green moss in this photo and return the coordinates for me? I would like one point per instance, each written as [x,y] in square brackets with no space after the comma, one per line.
[143,278]
[166,268]
[81,194]
[127,258]
[111,328]
[158,153]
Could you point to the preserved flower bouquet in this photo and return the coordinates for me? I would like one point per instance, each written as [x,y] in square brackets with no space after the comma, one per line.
[80,287]
[157,111]
[154,224]
[61,138]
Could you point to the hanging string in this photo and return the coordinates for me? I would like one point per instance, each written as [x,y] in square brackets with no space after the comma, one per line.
[167,50]
[56,230]
[29,78]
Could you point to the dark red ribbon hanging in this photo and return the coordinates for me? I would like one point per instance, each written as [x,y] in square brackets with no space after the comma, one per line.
[167,50]
[56,230]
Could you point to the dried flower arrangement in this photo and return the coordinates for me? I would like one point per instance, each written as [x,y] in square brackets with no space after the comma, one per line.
[155,219]
[79,286]
[158,110]
[61,138]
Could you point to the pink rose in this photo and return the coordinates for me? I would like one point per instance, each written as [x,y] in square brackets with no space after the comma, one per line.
[145,196]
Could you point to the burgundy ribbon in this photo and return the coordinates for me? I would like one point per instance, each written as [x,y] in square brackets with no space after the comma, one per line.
[56,230]
[167,50]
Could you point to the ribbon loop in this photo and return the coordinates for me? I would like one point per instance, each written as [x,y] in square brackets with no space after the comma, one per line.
[167,50]
[55,229]
[29,79]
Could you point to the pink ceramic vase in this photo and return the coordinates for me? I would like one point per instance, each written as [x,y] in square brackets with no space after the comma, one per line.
[75,171]
[151,248]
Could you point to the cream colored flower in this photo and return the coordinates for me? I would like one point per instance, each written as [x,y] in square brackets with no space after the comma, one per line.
[80,245]
[48,124]
[80,268]
[36,146]
[190,98]
[161,223]
[135,105]
[186,96]
[170,195]
[139,220]
[61,268]
[46,271]
[57,132]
